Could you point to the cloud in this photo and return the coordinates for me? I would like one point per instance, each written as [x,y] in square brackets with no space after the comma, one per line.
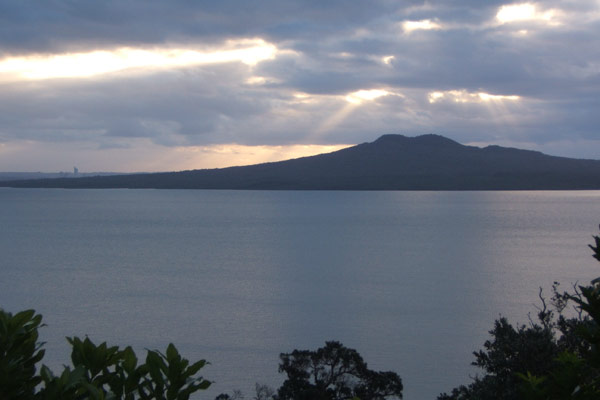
[363,95]
[101,62]
[527,12]
[425,24]
[147,156]
[126,77]
[462,96]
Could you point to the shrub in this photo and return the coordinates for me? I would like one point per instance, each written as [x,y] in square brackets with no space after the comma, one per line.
[98,371]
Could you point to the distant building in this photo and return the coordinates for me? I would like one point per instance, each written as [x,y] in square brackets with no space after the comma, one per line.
[75,170]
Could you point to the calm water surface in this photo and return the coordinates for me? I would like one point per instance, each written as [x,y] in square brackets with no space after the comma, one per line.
[412,280]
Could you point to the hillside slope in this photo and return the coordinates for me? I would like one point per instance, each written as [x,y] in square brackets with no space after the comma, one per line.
[392,162]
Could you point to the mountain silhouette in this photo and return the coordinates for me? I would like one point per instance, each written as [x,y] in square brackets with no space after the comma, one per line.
[392,162]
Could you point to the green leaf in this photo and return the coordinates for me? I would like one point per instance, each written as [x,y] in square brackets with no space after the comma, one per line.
[172,352]
[20,319]
[197,366]
[129,360]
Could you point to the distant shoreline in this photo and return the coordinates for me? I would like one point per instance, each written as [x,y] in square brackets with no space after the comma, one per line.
[392,162]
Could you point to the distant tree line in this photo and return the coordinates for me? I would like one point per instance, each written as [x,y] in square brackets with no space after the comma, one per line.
[554,357]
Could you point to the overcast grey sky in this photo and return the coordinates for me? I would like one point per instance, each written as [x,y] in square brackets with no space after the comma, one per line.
[168,85]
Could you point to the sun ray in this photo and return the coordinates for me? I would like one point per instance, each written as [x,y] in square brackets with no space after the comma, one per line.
[335,119]
[501,109]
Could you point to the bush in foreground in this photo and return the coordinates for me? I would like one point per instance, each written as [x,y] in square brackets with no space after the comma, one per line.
[98,371]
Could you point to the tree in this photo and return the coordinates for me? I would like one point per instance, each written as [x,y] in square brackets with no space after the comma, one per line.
[556,357]
[334,372]
[510,351]
[99,371]
[576,373]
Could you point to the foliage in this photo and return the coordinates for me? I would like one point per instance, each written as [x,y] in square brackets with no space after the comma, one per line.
[576,373]
[99,372]
[557,357]
[334,372]
[20,351]
[511,351]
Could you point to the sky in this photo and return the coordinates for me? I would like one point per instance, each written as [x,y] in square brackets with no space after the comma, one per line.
[146,85]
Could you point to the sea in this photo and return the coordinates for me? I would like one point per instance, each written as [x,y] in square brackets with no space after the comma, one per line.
[412,280]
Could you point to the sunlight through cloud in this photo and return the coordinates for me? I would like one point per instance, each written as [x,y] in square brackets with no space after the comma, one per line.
[303,98]
[256,80]
[387,60]
[526,12]
[354,100]
[462,96]
[361,96]
[425,24]
[80,65]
